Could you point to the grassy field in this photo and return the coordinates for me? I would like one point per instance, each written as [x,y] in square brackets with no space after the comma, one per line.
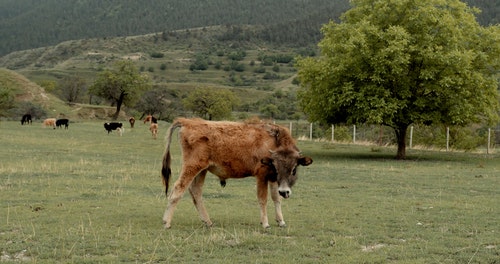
[82,196]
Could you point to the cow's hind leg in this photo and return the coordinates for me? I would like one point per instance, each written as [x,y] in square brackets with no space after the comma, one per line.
[187,176]
[196,190]
[273,186]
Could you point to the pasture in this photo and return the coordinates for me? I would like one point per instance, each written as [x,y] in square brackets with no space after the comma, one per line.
[82,196]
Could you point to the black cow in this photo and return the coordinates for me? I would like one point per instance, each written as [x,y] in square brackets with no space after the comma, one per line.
[110,126]
[26,119]
[62,122]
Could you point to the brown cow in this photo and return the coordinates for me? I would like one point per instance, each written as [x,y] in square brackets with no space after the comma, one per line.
[154,129]
[49,122]
[131,120]
[233,150]
[148,119]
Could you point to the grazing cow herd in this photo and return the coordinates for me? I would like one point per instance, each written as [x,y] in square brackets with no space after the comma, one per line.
[108,126]
[228,150]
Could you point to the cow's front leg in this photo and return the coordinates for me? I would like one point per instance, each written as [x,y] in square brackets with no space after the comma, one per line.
[262,197]
[196,193]
[273,186]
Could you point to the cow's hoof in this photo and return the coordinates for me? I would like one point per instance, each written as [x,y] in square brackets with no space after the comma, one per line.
[281,224]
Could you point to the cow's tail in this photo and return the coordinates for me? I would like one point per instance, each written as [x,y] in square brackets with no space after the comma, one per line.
[165,170]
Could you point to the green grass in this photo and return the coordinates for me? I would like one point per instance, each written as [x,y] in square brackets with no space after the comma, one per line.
[82,196]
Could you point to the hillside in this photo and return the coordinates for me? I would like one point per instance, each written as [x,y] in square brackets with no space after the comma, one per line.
[167,58]
[27,93]
[178,62]
[27,24]
[254,61]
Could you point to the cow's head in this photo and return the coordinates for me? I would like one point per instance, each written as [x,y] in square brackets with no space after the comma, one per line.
[285,163]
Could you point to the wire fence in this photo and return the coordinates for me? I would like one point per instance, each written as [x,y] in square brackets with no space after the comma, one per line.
[432,137]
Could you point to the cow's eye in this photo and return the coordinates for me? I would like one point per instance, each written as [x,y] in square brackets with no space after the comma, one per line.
[294,171]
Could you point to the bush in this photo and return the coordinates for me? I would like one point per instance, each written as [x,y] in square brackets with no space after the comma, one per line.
[157,55]
[36,111]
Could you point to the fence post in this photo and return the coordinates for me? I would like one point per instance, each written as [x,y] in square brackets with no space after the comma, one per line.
[311,132]
[354,134]
[333,134]
[411,137]
[291,133]
[489,141]
[447,138]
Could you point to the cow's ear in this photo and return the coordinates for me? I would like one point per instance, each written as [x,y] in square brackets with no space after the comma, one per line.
[305,161]
[267,161]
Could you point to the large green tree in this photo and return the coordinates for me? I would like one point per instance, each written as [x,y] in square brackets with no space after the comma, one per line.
[122,85]
[399,62]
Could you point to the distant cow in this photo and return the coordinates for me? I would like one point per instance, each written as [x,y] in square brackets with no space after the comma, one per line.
[131,120]
[62,122]
[148,119]
[49,122]
[26,119]
[114,126]
[154,129]
[233,150]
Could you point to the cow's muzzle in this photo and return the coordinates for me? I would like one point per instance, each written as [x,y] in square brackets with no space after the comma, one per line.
[285,194]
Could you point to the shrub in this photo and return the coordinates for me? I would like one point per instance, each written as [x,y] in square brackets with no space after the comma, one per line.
[157,55]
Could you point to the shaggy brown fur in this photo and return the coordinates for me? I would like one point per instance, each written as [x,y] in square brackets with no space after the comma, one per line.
[232,150]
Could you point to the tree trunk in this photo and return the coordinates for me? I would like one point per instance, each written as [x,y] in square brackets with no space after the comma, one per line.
[401,139]
[119,103]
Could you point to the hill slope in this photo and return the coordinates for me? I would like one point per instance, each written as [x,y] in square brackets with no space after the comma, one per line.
[26,91]
[28,24]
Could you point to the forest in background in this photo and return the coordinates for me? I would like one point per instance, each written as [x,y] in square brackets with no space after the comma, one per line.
[26,24]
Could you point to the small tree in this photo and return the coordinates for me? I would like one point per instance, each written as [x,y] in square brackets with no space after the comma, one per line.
[72,88]
[6,100]
[154,102]
[269,110]
[121,85]
[211,103]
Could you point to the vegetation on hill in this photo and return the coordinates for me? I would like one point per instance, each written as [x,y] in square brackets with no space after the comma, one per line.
[28,97]
[31,24]
[26,24]
[178,62]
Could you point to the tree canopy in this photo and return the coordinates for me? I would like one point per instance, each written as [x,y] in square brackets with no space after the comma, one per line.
[211,103]
[121,85]
[72,88]
[401,62]
[6,100]
[155,102]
